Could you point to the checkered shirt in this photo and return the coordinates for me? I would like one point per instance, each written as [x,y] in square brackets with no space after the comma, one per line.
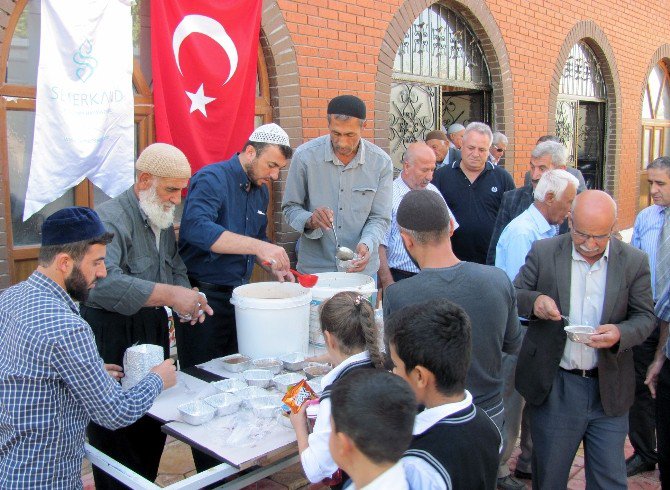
[52,383]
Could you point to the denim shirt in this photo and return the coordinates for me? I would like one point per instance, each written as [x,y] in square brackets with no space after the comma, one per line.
[221,198]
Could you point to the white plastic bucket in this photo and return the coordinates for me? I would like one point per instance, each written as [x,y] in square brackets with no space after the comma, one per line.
[328,285]
[272,318]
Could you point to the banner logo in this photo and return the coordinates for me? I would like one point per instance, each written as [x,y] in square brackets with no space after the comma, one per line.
[87,62]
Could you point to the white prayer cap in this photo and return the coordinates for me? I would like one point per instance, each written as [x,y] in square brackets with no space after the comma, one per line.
[270,133]
[455,128]
[163,160]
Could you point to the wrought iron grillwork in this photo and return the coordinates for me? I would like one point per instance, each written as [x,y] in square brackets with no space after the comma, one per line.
[441,48]
[465,107]
[582,76]
[413,113]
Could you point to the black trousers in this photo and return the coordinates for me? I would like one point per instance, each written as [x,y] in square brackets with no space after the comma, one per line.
[215,337]
[663,424]
[140,445]
[641,417]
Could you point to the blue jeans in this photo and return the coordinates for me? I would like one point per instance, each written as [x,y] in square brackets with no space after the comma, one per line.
[571,414]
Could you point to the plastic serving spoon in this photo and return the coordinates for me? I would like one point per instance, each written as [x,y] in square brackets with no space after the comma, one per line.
[305,280]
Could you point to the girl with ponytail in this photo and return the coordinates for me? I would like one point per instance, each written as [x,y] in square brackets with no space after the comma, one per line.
[348,325]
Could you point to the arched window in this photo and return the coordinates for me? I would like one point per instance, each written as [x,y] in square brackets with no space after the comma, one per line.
[580,113]
[655,124]
[440,76]
[18,64]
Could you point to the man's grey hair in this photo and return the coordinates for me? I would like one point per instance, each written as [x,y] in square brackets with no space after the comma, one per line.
[344,117]
[499,138]
[481,128]
[557,151]
[554,181]
[661,163]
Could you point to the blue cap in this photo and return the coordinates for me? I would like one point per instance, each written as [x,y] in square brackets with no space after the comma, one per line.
[73,224]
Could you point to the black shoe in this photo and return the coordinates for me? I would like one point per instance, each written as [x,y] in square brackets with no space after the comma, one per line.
[523,475]
[635,464]
[509,483]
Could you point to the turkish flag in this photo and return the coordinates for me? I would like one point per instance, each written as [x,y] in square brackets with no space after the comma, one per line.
[204,57]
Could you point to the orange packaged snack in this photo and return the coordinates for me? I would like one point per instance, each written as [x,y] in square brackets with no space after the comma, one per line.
[297,395]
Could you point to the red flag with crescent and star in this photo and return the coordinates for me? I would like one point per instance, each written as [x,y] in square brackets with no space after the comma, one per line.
[204,60]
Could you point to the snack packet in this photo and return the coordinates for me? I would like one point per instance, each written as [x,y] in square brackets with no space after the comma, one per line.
[297,395]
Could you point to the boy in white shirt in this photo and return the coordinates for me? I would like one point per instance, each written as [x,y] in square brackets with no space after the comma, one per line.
[371,418]
[455,444]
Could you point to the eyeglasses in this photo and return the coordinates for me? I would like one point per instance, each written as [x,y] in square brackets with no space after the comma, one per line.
[499,150]
[597,238]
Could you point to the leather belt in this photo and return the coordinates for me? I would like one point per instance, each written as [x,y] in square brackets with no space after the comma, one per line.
[212,287]
[584,373]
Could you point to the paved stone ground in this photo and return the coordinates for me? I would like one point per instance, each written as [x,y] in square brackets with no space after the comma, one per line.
[177,464]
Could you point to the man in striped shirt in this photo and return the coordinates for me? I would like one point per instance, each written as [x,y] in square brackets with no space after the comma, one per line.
[647,237]
[418,166]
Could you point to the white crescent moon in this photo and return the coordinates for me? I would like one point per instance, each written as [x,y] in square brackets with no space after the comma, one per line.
[210,28]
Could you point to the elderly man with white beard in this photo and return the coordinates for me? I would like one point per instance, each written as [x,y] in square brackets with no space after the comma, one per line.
[144,274]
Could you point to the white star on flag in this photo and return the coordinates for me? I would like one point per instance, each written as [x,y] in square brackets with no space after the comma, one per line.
[199,100]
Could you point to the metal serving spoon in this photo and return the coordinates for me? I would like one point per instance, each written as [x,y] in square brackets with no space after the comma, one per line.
[341,252]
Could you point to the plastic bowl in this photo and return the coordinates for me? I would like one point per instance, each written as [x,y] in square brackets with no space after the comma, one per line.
[231,385]
[314,369]
[249,393]
[258,377]
[294,361]
[270,363]
[266,406]
[284,381]
[224,403]
[579,333]
[196,413]
[236,363]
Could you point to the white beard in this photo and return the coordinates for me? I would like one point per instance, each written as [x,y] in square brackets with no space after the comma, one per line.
[155,209]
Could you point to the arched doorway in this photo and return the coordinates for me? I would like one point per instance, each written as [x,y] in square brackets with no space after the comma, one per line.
[440,76]
[19,57]
[655,124]
[581,113]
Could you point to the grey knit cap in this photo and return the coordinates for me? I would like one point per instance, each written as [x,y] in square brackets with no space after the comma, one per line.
[270,133]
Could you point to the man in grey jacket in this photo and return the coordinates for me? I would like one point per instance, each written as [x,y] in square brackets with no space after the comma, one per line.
[581,390]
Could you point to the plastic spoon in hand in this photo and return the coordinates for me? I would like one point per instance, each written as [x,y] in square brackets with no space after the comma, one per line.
[305,280]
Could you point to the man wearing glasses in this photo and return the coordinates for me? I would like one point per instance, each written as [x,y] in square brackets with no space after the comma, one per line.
[498,147]
[581,392]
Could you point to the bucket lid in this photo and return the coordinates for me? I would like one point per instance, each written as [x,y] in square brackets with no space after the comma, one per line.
[271,295]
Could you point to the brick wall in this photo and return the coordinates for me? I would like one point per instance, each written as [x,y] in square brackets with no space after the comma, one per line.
[349,47]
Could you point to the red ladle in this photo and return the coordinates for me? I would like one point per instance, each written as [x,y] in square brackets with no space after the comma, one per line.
[305,280]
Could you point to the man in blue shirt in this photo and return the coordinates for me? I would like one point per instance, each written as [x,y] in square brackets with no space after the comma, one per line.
[222,233]
[52,379]
[647,236]
[658,381]
[473,189]
[553,197]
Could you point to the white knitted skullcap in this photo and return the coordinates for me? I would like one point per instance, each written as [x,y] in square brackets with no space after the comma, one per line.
[163,160]
[270,133]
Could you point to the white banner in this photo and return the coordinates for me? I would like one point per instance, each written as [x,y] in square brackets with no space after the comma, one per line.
[84,123]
